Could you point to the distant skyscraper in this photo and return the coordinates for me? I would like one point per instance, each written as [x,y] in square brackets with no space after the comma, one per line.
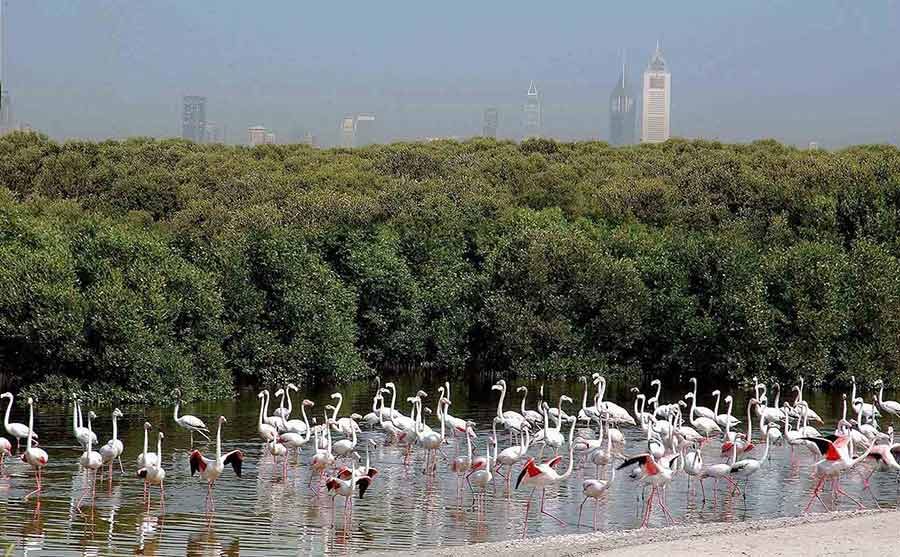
[491,122]
[365,130]
[269,138]
[655,116]
[256,135]
[348,132]
[310,139]
[193,118]
[5,108]
[533,115]
[621,111]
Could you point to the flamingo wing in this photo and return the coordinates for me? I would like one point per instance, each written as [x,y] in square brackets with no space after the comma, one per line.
[236,459]
[193,422]
[363,484]
[198,464]
[529,469]
[826,447]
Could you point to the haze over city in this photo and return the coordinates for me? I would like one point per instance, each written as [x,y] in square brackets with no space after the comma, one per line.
[796,72]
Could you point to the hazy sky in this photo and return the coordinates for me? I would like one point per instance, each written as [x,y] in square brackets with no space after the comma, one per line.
[795,70]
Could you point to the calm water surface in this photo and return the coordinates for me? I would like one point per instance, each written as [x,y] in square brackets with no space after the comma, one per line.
[259,514]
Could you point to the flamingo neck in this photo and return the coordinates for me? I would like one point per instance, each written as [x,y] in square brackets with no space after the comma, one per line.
[115,428]
[159,452]
[337,407]
[524,396]
[750,423]
[145,445]
[500,402]
[218,441]
[6,416]
[177,406]
[716,409]
[583,397]
[30,423]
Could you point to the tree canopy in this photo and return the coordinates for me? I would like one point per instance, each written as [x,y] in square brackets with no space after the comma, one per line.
[146,265]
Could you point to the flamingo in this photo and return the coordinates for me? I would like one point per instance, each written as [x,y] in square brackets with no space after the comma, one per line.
[211,469]
[154,474]
[481,475]
[33,456]
[276,422]
[836,460]
[745,445]
[553,435]
[532,416]
[90,461]
[19,431]
[345,426]
[457,425]
[747,467]
[5,450]
[145,459]
[277,449]
[191,423]
[610,409]
[870,431]
[513,455]
[295,425]
[540,475]
[891,407]
[432,440]
[868,411]
[113,448]
[658,475]
[704,424]
[513,421]
[462,464]
[283,412]
[323,457]
[266,431]
[595,489]
[724,420]
[82,434]
[701,411]
[812,413]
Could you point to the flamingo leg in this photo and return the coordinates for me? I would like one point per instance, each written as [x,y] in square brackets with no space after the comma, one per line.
[649,509]
[581,508]
[665,508]
[815,495]
[703,490]
[527,508]
[839,491]
[543,493]
[162,498]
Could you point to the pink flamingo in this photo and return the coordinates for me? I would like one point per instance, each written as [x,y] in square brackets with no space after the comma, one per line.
[211,469]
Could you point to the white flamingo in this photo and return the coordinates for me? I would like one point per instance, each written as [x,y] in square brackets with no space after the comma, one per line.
[33,456]
[191,423]
[154,474]
[16,430]
[113,448]
[210,469]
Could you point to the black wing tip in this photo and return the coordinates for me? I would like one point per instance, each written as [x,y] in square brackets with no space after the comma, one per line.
[363,484]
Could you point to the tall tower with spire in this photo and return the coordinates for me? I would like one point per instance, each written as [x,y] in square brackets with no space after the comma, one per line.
[534,118]
[657,97]
[622,110]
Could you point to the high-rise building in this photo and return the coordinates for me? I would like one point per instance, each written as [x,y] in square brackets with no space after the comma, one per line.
[365,130]
[622,111]
[491,122]
[310,139]
[6,122]
[256,135]
[348,132]
[269,138]
[193,118]
[657,97]
[534,118]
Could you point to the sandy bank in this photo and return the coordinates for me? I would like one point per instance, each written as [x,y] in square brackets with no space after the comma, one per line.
[845,533]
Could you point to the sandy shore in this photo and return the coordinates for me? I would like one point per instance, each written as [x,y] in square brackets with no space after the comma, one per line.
[844,533]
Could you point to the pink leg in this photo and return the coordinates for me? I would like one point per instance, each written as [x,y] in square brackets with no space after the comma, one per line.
[543,492]
[840,491]
[815,495]
[649,508]
[527,508]
[581,508]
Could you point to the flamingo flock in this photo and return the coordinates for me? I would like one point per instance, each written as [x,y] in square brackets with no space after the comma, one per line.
[590,440]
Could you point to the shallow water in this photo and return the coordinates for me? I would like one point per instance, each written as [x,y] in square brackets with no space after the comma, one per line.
[259,514]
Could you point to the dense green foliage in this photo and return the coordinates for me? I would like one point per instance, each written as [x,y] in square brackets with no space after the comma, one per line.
[146,265]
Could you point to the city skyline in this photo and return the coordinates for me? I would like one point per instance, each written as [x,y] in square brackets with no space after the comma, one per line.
[843,95]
